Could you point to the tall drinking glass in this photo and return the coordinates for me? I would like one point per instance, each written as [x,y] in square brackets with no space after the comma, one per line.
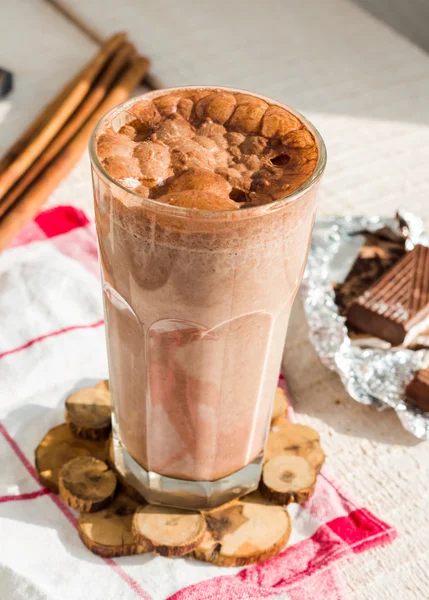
[197,304]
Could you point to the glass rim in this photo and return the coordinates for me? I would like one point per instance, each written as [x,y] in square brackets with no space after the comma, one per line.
[180,211]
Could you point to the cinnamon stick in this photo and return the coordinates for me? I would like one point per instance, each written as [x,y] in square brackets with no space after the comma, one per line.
[84,111]
[29,203]
[26,149]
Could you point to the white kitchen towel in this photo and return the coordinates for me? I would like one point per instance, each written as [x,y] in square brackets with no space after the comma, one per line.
[51,342]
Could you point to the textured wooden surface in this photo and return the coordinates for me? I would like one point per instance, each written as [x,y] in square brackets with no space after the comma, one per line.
[366,89]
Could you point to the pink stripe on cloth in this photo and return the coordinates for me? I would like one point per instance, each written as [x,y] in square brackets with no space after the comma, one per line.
[50,223]
[19,453]
[61,219]
[49,335]
[132,583]
[26,496]
[54,224]
[361,530]
[357,526]
[327,503]
[31,233]
[326,584]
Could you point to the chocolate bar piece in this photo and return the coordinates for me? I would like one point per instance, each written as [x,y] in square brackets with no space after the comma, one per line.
[380,251]
[417,391]
[396,307]
[6,82]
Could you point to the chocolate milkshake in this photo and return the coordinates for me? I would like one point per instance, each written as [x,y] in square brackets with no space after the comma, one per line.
[205,200]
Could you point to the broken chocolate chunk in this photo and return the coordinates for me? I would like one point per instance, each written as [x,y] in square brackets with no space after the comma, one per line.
[376,256]
[396,307]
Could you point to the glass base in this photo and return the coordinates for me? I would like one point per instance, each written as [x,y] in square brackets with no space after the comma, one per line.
[181,493]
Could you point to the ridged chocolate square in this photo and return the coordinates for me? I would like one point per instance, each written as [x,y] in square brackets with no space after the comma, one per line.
[397,302]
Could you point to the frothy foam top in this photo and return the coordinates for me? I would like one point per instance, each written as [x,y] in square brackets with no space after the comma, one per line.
[209,149]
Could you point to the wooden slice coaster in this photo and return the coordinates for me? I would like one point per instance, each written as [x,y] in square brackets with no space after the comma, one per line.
[169,531]
[103,385]
[58,447]
[108,532]
[288,478]
[88,412]
[115,519]
[298,440]
[244,532]
[86,484]
[280,406]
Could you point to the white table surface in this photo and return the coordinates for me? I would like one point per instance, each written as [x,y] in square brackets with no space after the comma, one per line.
[367,90]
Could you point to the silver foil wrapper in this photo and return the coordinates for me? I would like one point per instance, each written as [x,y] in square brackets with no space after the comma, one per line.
[374,376]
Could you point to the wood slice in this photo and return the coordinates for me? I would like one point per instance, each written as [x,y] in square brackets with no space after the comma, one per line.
[58,447]
[244,532]
[86,484]
[169,531]
[299,440]
[108,532]
[128,488]
[88,413]
[288,478]
[110,454]
[103,385]
[280,406]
